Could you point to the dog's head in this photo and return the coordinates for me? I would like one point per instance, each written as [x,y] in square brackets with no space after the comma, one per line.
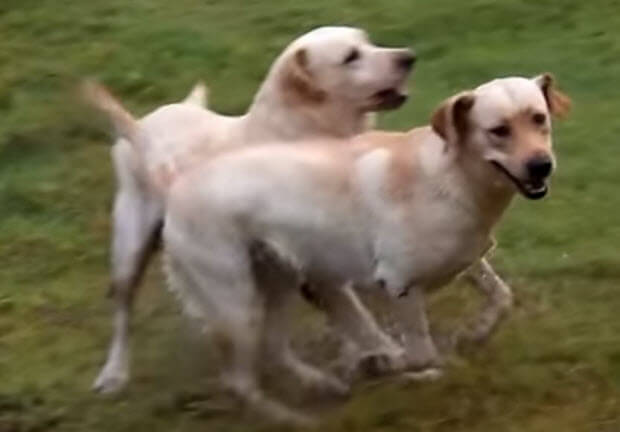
[339,64]
[506,125]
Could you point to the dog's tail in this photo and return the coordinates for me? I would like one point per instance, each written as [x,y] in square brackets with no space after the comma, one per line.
[125,125]
[198,96]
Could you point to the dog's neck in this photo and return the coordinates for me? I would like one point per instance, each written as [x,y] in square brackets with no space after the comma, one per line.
[273,115]
[470,182]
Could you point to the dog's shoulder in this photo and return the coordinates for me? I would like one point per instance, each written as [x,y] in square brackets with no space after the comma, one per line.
[390,159]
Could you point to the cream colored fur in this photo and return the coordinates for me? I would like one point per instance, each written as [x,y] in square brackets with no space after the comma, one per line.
[403,213]
[325,84]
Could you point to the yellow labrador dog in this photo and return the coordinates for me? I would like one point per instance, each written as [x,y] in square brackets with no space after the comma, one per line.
[325,84]
[401,212]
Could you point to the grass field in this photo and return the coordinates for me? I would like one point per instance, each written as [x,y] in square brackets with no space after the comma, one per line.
[554,366]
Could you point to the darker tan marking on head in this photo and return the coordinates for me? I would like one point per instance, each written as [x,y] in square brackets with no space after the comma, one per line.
[298,82]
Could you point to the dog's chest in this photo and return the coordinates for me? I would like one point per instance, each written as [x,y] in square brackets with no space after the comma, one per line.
[445,256]
[427,238]
[440,241]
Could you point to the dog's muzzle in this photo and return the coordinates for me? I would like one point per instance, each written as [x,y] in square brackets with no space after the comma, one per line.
[389,99]
[535,187]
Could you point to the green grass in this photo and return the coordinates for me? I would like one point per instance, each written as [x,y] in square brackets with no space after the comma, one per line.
[555,365]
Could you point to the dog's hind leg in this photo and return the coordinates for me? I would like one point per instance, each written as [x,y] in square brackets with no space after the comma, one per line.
[279,286]
[498,303]
[244,333]
[137,226]
[214,269]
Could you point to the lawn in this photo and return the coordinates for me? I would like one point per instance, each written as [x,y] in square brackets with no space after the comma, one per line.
[554,366]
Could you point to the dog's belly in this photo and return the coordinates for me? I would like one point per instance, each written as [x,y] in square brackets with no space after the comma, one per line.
[328,256]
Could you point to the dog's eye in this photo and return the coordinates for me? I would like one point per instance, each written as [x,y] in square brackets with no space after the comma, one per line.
[501,131]
[539,119]
[353,55]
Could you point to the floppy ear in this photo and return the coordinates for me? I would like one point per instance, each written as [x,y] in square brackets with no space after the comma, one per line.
[451,120]
[558,103]
[298,80]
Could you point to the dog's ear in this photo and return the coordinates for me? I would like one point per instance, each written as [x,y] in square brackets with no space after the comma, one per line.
[298,79]
[559,104]
[451,120]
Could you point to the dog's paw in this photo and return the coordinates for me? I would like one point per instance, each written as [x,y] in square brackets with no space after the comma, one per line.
[321,382]
[334,387]
[110,382]
[380,363]
[416,362]
[426,375]
[422,354]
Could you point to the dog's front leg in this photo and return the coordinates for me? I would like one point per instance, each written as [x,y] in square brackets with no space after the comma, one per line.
[498,302]
[407,304]
[354,322]
[419,350]
[410,311]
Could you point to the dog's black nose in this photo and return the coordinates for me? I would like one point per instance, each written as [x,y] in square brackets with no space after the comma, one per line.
[406,61]
[539,167]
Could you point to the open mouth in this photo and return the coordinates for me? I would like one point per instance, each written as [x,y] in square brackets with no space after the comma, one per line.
[390,98]
[532,189]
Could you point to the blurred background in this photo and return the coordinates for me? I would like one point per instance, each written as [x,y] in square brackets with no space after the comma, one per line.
[555,365]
